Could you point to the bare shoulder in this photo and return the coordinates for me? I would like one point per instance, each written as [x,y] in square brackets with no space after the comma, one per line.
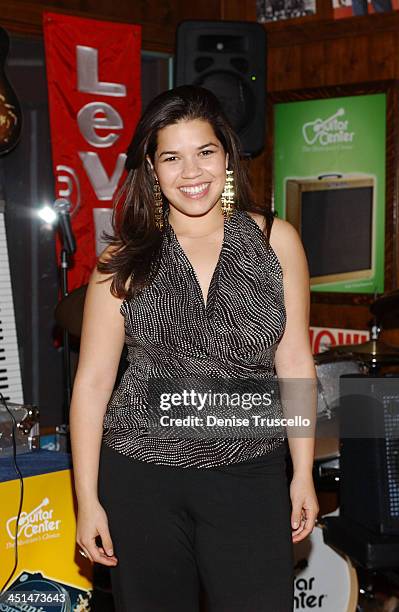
[284,239]
[100,282]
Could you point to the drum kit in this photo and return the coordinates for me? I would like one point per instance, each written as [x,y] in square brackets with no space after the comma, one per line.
[321,572]
[364,358]
[324,579]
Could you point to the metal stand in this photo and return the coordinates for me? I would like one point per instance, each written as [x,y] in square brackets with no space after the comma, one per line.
[62,431]
[62,208]
[65,336]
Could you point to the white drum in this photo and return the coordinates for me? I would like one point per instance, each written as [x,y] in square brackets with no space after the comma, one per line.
[324,579]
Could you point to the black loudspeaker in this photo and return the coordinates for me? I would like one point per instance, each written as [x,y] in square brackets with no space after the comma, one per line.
[229,59]
[369,459]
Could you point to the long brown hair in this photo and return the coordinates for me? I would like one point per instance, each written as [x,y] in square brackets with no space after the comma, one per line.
[136,241]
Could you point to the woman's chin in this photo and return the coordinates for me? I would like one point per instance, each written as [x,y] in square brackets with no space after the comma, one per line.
[195,208]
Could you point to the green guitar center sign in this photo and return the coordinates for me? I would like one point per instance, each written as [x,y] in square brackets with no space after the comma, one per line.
[329,177]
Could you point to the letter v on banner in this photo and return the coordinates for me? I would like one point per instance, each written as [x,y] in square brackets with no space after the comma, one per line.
[94,76]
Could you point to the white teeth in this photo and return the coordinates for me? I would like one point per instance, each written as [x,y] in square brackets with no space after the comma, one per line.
[194,190]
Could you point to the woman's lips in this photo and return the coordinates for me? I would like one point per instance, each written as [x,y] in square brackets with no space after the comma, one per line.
[195,192]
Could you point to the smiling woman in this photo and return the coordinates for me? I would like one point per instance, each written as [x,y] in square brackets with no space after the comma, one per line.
[203,295]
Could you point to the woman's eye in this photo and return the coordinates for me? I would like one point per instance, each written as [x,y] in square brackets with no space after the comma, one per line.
[207,152]
[170,158]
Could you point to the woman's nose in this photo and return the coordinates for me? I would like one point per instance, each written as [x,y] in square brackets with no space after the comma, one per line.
[191,168]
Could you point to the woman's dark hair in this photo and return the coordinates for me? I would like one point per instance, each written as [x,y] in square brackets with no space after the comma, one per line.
[136,241]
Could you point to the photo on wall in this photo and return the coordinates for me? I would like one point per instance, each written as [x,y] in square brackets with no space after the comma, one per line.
[355,8]
[329,178]
[275,10]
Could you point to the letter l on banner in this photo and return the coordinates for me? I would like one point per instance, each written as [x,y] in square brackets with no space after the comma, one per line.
[94,77]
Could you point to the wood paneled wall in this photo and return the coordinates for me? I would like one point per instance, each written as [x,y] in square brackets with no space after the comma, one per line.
[309,52]
[158,18]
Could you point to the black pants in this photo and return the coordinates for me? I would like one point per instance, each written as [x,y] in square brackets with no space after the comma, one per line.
[178,531]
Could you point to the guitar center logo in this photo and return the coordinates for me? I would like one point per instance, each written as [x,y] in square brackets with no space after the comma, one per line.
[38,524]
[330,131]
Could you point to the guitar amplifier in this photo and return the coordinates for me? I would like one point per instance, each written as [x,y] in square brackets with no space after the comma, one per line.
[27,430]
[369,444]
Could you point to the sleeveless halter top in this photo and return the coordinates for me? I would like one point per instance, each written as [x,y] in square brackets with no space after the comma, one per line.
[169,331]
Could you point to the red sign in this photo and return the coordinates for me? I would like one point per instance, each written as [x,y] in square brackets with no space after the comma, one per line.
[325,338]
[93,72]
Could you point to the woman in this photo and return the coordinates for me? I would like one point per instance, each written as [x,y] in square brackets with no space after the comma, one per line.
[197,285]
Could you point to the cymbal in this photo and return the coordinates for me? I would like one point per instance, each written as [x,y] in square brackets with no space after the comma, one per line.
[372,349]
[69,311]
[331,355]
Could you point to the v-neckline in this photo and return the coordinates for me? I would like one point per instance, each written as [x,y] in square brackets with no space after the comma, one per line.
[189,265]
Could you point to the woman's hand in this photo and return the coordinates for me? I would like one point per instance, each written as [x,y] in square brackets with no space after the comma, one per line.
[92,522]
[305,506]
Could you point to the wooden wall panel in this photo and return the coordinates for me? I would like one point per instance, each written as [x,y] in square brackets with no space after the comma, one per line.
[158,18]
[382,56]
[345,60]
[348,51]
[238,10]
[284,68]
[313,62]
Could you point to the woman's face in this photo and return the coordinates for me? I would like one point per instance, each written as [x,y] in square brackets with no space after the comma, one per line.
[190,164]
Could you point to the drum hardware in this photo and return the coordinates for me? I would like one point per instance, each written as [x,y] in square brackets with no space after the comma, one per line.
[62,438]
[27,430]
[30,419]
[329,469]
[375,353]
[326,477]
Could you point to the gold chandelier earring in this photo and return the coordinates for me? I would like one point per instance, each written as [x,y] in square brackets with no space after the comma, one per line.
[158,205]
[228,195]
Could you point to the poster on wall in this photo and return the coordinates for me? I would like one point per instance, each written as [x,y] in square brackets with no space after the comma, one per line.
[354,8]
[274,10]
[94,75]
[329,178]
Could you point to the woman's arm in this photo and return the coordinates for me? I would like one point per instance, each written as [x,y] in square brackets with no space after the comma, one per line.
[295,364]
[100,351]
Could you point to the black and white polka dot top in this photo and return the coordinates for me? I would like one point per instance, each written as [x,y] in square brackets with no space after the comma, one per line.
[171,332]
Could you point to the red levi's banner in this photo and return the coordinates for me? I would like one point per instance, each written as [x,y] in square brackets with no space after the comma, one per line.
[93,72]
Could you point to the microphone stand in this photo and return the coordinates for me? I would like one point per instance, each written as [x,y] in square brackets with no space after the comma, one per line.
[62,207]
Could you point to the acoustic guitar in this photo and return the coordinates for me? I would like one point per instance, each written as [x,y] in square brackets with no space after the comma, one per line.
[10,109]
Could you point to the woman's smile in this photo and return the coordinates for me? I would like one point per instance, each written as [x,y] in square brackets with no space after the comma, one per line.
[195,192]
